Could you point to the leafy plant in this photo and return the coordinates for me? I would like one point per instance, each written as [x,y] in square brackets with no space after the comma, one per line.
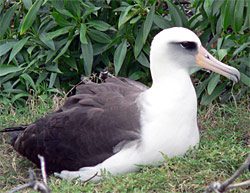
[47,46]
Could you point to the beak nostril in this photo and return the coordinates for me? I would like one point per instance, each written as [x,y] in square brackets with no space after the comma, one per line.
[207,56]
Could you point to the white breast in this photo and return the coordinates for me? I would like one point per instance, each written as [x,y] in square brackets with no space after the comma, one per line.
[169,119]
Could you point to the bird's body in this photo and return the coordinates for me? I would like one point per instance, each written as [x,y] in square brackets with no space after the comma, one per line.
[119,124]
[78,134]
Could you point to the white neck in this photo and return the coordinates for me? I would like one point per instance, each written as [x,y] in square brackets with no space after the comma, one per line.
[169,123]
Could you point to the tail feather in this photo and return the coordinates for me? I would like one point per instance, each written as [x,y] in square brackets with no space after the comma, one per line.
[13,132]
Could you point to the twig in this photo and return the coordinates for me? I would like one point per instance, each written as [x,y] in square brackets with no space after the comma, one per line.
[91,177]
[43,169]
[34,183]
[82,81]
[223,187]
[239,185]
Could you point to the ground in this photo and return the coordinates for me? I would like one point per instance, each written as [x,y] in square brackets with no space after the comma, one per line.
[225,136]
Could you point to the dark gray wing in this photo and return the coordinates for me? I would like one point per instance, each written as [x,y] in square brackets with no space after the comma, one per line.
[87,128]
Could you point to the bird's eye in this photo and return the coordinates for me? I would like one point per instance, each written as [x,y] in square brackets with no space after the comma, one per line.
[189,45]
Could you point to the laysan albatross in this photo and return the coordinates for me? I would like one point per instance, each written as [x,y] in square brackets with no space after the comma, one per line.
[120,124]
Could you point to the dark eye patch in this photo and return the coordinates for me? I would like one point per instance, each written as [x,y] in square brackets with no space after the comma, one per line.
[189,45]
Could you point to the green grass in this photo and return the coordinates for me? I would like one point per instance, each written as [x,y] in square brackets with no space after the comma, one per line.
[225,136]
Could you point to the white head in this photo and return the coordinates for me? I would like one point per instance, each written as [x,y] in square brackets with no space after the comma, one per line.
[179,48]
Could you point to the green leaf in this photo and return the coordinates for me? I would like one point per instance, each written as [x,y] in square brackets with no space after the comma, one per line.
[137,75]
[99,25]
[124,17]
[242,47]
[64,49]
[174,12]
[247,18]
[138,43]
[213,83]
[4,48]
[27,4]
[216,6]
[60,19]
[18,96]
[148,23]
[59,32]
[74,7]
[6,18]
[65,12]
[52,79]
[4,69]
[17,47]
[238,15]
[227,13]
[208,99]
[90,10]
[221,53]
[100,48]
[202,86]
[245,79]
[99,36]
[47,41]
[28,80]
[30,49]
[30,16]
[83,30]
[53,67]
[42,76]
[161,22]
[71,62]
[119,56]
[207,6]
[134,20]
[87,55]
[143,60]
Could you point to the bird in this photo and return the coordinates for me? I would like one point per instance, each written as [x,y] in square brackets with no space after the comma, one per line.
[119,124]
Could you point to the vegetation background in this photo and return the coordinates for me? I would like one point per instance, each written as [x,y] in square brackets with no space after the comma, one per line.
[47,46]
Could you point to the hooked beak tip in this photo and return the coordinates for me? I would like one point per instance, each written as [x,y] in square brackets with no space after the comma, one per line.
[205,60]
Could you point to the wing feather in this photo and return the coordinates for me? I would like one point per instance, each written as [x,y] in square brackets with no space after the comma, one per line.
[87,128]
